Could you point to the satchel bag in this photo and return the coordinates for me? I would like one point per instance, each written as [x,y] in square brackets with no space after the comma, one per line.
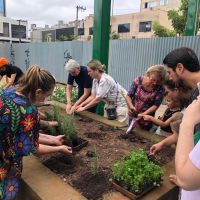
[111,112]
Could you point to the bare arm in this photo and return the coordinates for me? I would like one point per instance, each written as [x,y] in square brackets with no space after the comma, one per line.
[89,99]
[51,140]
[150,110]
[94,102]
[44,149]
[172,139]
[129,102]
[83,97]
[188,175]
[68,93]
[160,122]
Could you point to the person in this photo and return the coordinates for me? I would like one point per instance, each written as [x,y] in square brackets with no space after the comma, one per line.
[51,139]
[106,89]
[182,65]
[79,74]
[145,96]
[19,127]
[187,161]
[171,90]
[171,113]
[12,73]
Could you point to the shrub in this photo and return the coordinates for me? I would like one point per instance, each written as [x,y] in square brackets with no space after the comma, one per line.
[137,171]
[67,128]
[95,163]
[59,95]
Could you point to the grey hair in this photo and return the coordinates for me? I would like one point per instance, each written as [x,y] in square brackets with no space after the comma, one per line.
[159,70]
[71,65]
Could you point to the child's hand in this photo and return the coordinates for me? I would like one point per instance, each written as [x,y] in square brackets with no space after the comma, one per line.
[173,179]
[156,148]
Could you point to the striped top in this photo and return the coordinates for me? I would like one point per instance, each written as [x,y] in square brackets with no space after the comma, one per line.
[109,90]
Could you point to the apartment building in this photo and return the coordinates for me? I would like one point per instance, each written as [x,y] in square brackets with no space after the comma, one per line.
[128,26]
[12,30]
[138,25]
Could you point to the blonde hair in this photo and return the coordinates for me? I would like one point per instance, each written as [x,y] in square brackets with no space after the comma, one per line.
[96,65]
[35,78]
[159,71]
[71,65]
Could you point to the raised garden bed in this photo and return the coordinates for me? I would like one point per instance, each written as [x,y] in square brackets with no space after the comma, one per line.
[82,170]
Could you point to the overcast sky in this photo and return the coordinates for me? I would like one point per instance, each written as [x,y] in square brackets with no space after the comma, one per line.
[43,12]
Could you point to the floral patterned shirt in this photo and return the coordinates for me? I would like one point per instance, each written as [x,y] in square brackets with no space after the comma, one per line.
[19,133]
[143,100]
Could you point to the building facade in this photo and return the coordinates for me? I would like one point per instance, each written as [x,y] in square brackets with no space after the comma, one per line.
[128,26]
[12,30]
[138,25]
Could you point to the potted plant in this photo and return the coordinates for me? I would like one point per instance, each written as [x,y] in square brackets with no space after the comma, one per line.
[135,175]
[67,128]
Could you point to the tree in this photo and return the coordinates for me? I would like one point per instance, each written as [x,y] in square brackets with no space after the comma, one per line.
[179,17]
[114,35]
[162,31]
[68,38]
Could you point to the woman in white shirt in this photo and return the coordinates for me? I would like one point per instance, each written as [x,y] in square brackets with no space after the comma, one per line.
[105,88]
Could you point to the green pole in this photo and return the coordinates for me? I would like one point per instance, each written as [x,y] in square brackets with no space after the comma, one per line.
[192,18]
[101,33]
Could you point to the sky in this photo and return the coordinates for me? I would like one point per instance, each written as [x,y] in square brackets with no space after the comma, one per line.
[41,12]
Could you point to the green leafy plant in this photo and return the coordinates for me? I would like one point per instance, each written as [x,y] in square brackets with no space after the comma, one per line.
[95,163]
[137,171]
[52,130]
[68,129]
[59,94]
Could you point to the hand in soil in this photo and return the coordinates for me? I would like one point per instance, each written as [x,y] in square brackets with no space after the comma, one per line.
[68,108]
[65,149]
[173,179]
[156,148]
[58,140]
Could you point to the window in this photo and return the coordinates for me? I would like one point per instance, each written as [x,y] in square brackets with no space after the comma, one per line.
[145,26]
[91,31]
[150,4]
[18,31]
[81,31]
[123,28]
[163,2]
[5,29]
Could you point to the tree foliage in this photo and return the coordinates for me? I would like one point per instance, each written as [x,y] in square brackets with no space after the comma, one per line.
[179,17]
[114,35]
[162,31]
[68,38]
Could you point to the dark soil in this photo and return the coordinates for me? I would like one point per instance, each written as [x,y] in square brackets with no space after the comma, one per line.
[111,145]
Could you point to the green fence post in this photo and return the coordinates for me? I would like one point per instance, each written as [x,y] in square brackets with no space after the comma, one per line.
[101,34]
[192,18]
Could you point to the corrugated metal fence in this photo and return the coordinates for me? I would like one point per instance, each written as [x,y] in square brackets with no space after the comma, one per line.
[127,58]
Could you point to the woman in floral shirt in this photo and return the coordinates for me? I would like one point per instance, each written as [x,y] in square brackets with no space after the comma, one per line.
[19,127]
[145,96]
